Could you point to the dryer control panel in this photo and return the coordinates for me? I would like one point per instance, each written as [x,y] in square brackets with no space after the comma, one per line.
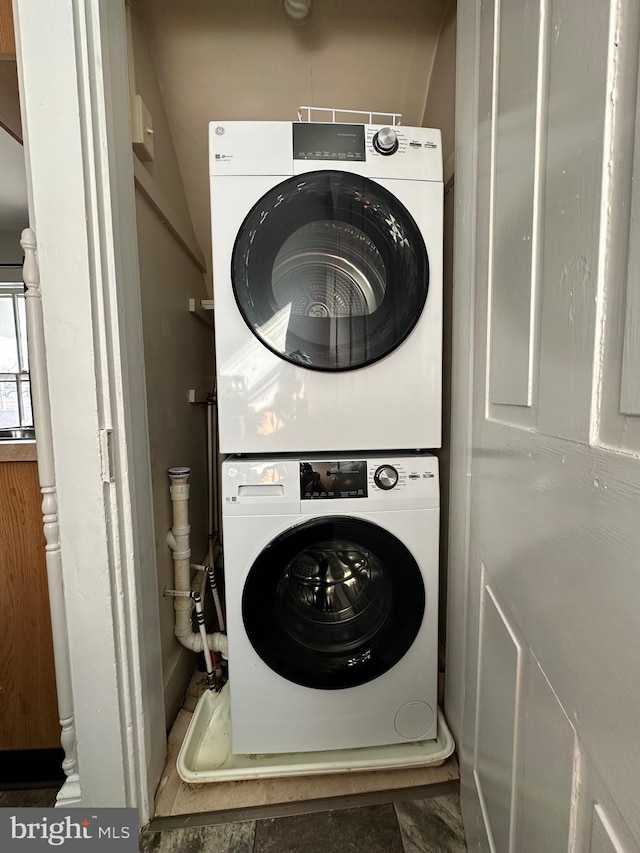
[328,142]
[294,148]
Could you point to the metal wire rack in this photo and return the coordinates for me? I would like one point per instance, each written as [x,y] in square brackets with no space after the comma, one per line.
[333,115]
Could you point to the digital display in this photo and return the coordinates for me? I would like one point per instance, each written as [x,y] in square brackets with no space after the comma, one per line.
[343,142]
[331,480]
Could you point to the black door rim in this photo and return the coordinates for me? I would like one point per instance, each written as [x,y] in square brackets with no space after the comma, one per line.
[280,648]
[332,343]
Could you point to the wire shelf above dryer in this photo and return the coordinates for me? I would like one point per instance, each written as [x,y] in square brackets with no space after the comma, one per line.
[334,115]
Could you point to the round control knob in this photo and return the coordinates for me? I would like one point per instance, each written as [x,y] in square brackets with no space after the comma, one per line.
[386,477]
[386,141]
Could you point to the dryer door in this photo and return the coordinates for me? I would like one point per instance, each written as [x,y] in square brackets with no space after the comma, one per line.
[330,271]
[333,603]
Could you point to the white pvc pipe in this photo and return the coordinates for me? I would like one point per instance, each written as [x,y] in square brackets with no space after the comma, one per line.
[217,643]
[298,10]
[178,539]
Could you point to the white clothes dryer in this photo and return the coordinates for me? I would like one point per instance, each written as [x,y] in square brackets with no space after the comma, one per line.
[331,573]
[327,268]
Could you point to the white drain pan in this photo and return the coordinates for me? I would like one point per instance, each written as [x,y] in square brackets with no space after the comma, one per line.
[206,754]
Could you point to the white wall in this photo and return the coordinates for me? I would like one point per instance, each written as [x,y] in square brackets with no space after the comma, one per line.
[178,356]
[10,249]
[440,107]
[13,199]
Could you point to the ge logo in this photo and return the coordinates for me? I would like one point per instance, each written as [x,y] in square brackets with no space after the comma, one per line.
[219,131]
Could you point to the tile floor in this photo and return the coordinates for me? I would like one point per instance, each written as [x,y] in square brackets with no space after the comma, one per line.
[430,825]
[43,798]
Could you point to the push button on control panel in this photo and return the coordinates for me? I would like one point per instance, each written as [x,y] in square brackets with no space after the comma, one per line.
[385,477]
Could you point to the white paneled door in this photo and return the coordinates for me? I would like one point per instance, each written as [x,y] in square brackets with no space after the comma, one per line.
[545,684]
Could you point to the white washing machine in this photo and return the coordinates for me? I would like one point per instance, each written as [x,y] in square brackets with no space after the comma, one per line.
[331,572]
[327,267]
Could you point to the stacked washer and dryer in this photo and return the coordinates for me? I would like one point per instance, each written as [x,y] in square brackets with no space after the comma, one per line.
[327,263]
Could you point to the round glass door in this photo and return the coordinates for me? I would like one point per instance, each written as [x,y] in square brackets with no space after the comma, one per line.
[333,603]
[330,271]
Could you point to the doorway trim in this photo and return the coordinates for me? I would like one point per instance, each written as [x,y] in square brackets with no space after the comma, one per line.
[72,63]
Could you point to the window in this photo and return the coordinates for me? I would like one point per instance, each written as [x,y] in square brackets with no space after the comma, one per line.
[15,387]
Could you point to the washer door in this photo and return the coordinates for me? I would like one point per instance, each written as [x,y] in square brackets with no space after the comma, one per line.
[333,603]
[330,271]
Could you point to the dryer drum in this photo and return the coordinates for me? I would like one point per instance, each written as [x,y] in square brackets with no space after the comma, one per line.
[333,603]
[330,270]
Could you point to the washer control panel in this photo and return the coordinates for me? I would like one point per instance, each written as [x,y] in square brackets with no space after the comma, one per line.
[328,484]
[335,478]
[406,476]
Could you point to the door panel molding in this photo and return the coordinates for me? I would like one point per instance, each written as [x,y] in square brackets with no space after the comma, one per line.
[498,712]
[515,220]
[577,101]
[547,768]
[598,826]
[616,405]
[603,836]
[630,391]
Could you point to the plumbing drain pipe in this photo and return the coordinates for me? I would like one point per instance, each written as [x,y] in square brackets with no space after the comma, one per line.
[177,594]
[178,539]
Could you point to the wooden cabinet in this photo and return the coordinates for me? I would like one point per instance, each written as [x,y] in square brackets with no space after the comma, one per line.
[28,704]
